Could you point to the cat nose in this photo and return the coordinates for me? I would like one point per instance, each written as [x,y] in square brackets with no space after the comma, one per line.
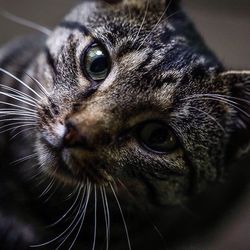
[74,138]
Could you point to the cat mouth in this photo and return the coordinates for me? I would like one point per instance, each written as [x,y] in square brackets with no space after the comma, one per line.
[76,166]
[84,167]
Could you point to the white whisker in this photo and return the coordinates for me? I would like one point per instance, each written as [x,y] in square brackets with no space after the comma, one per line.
[21,132]
[122,215]
[108,213]
[17,98]
[82,217]
[69,210]
[53,192]
[211,117]
[68,228]
[234,98]
[223,100]
[48,188]
[18,106]
[159,21]
[14,127]
[12,115]
[17,122]
[95,219]
[105,217]
[142,211]
[20,93]
[25,158]
[20,81]
[42,88]
[143,21]
[16,112]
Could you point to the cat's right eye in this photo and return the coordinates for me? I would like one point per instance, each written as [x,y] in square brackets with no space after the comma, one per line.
[96,63]
[157,137]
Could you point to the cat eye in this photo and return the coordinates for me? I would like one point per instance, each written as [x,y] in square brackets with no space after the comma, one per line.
[157,137]
[96,63]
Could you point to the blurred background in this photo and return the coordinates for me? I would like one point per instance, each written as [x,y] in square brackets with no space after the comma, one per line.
[225,24]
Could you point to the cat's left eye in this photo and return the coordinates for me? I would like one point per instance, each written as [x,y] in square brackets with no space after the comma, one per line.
[157,137]
[96,63]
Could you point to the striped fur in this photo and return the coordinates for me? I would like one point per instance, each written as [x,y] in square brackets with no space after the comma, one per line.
[161,70]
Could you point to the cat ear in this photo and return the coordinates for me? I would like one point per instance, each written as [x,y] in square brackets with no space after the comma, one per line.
[239,83]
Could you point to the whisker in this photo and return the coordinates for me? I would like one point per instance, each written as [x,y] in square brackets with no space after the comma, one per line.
[13,116]
[95,219]
[16,112]
[233,98]
[18,122]
[26,23]
[82,217]
[129,12]
[21,132]
[68,211]
[122,215]
[155,228]
[53,192]
[68,228]
[73,192]
[159,21]
[17,106]
[35,174]
[223,100]
[211,117]
[108,213]
[23,159]
[237,99]
[143,21]
[210,96]
[20,81]
[39,176]
[17,119]
[14,127]
[42,88]
[17,98]
[105,217]
[48,188]
[20,93]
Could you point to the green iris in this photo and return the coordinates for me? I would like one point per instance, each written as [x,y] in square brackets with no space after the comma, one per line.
[97,63]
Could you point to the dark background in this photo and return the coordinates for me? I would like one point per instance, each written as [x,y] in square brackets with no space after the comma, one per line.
[225,24]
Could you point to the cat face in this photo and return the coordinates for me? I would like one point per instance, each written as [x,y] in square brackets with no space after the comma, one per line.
[135,97]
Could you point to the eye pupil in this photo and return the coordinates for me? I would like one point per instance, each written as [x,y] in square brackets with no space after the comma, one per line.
[100,64]
[157,137]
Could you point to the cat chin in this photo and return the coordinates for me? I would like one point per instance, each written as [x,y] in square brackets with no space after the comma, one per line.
[86,164]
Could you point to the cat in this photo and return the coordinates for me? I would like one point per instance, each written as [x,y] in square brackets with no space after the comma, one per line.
[119,114]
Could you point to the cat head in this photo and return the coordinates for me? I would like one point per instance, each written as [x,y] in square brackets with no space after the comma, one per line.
[134,96]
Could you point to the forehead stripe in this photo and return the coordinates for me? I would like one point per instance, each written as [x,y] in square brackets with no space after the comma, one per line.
[75,26]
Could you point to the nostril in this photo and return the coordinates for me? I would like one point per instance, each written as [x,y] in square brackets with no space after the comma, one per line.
[73,137]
